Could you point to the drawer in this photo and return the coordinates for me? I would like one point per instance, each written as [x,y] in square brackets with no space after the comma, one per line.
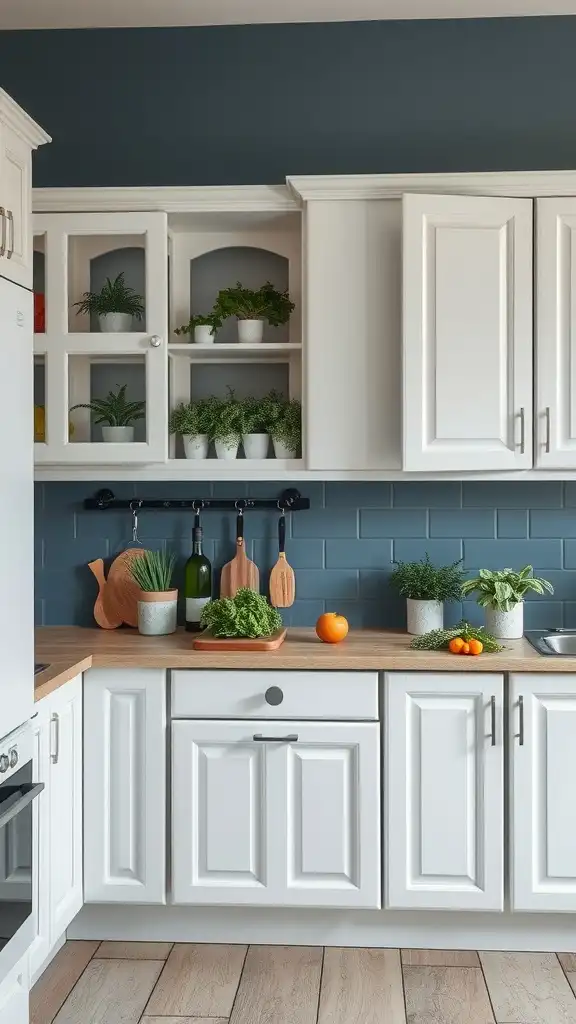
[348,696]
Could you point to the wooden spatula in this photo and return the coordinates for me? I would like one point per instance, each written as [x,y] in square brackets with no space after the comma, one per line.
[104,615]
[240,572]
[282,581]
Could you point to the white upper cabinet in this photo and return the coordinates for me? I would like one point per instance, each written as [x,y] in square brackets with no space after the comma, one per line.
[444,791]
[467,333]
[543,822]
[555,434]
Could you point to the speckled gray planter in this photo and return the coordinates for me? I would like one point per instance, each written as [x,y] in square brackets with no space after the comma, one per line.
[505,625]
[157,612]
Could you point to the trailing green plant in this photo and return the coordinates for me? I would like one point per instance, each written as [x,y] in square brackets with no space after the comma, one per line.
[423,581]
[504,588]
[114,410]
[265,303]
[191,417]
[286,426]
[437,639]
[247,614]
[114,297]
[153,570]
[212,320]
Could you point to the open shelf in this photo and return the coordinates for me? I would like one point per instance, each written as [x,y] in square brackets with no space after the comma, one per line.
[261,353]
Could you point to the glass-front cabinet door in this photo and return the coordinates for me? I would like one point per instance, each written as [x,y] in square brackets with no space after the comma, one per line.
[100,342]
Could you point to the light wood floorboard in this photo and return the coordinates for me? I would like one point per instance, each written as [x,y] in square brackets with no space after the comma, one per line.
[111,992]
[59,978]
[361,986]
[279,985]
[438,958]
[568,961]
[198,980]
[133,950]
[528,987]
[446,995]
[184,1020]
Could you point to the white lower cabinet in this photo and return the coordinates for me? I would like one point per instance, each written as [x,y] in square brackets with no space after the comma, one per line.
[276,813]
[57,818]
[14,995]
[444,790]
[543,767]
[125,786]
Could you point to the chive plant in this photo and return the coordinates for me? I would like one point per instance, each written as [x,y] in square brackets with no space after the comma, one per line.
[153,570]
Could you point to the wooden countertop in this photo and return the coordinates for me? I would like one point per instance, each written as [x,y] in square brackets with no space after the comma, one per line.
[72,649]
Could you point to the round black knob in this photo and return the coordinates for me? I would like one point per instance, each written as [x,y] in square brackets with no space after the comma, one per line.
[13,755]
[274,695]
[4,763]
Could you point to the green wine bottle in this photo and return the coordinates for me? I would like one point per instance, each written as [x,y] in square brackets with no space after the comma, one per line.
[197,582]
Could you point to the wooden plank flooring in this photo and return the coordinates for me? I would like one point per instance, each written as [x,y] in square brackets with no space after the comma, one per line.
[184,983]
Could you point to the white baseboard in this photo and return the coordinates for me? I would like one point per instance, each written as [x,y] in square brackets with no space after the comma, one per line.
[380,928]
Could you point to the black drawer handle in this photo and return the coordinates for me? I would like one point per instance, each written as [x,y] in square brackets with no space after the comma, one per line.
[291,738]
[274,695]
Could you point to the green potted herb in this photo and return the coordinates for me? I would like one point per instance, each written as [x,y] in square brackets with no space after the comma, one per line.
[224,424]
[285,427]
[501,594]
[116,413]
[425,587]
[255,419]
[115,305]
[247,614]
[252,306]
[192,421]
[204,328]
[157,601]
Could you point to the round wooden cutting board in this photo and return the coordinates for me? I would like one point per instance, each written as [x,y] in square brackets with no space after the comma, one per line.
[121,589]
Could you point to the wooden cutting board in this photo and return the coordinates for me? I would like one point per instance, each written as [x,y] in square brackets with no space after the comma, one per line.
[241,571]
[104,616]
[122,591]
[282,581]
[207,642]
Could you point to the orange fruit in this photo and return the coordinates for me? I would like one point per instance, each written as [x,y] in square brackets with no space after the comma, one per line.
[456,644]
[465,649]
[332,628]
[476,646]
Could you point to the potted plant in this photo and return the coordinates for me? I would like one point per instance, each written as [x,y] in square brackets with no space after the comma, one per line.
[255,418]
[191,420]
[224,424]
[425,587]
[115,305]
[501,594]
[116,413]
[285,426]
[204,328]
[251,307]
[157,601]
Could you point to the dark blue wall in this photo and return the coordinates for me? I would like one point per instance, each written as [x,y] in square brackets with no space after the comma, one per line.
[251,104]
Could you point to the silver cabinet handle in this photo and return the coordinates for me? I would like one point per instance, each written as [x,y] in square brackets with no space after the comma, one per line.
[155,340]
[10,219]
[291,738]
[547,440]
[522,431]
[3,235]
[493,721]
[55,720]
[521,721]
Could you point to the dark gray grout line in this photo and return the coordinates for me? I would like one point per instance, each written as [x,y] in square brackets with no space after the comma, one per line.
[403,984]
[486,985]
[565,973]
[320,984]
[81,975]
[248,944]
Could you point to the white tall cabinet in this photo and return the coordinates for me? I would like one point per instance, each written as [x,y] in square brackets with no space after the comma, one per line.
[444,790]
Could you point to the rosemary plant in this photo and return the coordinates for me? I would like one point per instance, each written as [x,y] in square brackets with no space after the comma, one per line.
[153,570]
[423,581]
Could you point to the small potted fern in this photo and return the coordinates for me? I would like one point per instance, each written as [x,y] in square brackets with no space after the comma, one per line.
[204,328]
[115,305]
[192,421]
[425,587]
[157,601]
[251,307]
[115,415]
[501,594]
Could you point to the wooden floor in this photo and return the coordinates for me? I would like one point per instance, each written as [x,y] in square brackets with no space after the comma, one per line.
[162,983]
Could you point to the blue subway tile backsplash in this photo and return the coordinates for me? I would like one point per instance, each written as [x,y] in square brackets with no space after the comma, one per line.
[342,549]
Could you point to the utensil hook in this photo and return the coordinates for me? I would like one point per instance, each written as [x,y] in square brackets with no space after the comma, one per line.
[196,510]
[240,505]
[134,511]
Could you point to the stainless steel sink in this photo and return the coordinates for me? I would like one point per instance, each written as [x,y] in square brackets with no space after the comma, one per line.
[553,644]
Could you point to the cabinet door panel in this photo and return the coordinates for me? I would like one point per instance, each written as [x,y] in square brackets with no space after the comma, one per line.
[467,331]
[543,822]
[124,785]
[444,791]
[40,947]
[65,801]
[556,333]
[218,813]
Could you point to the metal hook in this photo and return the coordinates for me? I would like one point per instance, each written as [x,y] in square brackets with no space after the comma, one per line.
[281,507]
[240,505]
[135,537]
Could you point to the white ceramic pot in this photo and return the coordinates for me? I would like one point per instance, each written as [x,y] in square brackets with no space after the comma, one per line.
[256,445]
[157,612]
[225,450]
[505,625]
[195,446]
[115,322]
[250,332]
[117,435]
[282,451]
[203,335]
[423,616]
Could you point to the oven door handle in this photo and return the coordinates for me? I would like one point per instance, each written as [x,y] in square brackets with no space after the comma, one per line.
[30,790]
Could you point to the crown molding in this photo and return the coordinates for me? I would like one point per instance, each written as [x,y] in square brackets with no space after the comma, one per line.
[188,199]
[529,184]
[21,122]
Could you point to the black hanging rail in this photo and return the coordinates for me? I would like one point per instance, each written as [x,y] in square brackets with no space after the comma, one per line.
[290,500]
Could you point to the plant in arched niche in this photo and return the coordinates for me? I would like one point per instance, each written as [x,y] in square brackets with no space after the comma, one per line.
[115,305]
[252,306]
